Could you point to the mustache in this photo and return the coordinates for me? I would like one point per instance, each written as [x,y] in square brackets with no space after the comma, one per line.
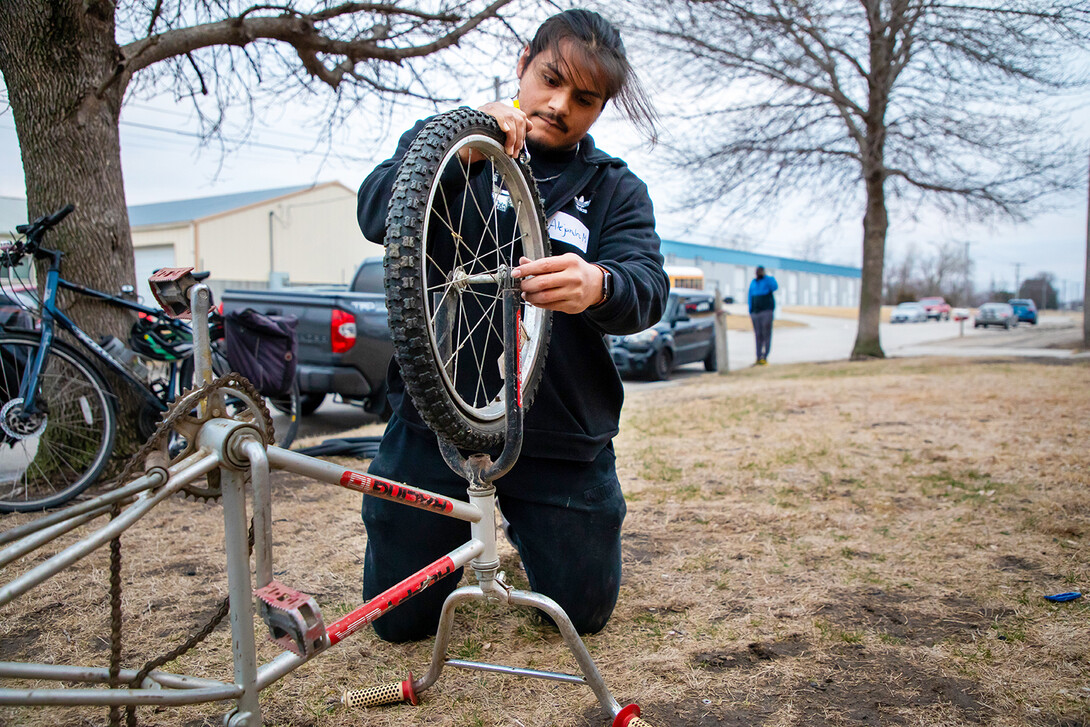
[553,119]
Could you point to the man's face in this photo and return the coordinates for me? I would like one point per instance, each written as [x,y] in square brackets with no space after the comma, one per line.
[563,99]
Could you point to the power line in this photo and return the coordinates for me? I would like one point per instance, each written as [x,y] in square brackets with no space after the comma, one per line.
[241,142]
[187,119]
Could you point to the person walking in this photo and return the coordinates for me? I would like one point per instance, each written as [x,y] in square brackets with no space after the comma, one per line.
[562,498]
[762,307]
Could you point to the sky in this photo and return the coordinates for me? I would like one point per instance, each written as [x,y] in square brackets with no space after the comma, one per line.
[163,159]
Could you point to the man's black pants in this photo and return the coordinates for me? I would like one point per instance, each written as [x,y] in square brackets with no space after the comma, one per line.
[565,521]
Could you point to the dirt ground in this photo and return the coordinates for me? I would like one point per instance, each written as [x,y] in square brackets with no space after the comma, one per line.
[822,544]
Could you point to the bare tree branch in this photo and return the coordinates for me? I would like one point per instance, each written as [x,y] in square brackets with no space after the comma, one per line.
[301,31]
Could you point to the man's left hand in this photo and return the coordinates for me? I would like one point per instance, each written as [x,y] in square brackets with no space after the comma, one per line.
[565,283]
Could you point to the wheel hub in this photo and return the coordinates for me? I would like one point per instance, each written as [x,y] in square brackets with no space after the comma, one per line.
[18,424]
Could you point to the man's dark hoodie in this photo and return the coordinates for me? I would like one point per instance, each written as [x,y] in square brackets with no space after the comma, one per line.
[577,408]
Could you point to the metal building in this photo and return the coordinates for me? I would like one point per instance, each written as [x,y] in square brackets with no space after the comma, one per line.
[801,282]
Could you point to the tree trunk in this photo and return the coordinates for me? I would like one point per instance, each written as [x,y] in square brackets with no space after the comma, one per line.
[68,137]
[875,225]
[872,149]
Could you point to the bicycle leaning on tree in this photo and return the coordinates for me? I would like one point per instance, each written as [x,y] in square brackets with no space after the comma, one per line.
[58,413]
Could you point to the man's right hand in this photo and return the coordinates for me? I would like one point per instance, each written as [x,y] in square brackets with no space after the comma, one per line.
[512,121]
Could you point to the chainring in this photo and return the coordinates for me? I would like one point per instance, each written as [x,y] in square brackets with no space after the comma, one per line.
[185,417]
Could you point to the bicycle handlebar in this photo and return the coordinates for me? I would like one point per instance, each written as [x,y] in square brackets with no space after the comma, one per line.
[45,222]
[32,232]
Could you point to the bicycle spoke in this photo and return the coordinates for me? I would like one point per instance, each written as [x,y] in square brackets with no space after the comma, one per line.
[461,341]
[477,361]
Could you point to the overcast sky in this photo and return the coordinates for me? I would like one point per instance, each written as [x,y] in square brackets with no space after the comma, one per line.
[163,160]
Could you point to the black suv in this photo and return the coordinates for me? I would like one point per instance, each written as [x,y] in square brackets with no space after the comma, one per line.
[685,334]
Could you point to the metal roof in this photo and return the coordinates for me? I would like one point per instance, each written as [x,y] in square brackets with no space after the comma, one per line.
[13,209]
[690,251]
[186,210]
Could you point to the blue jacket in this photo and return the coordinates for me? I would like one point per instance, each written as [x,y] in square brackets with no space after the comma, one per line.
[576,410]
[760,294]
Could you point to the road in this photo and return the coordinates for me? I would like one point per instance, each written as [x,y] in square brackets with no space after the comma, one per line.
[831,339]
[821,338]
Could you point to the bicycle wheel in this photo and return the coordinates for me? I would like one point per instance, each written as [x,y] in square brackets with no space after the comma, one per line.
[291,406]
[452,231]
[50,456]
[286,426]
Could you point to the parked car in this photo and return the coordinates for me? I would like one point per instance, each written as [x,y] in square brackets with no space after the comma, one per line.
[996,314]
[937,308]
[1025,309]
[908,313]
[685,334]
[15,307]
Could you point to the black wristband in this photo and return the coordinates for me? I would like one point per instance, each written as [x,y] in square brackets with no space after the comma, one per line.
[607,286]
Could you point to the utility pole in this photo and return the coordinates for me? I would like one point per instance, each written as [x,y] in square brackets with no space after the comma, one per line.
[1086,278]
[722,355]
[968,282]
[1017,279]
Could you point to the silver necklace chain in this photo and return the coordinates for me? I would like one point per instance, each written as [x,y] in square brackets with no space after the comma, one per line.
[549,179]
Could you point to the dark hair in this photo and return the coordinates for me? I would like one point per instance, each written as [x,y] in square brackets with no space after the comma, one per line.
[598,44]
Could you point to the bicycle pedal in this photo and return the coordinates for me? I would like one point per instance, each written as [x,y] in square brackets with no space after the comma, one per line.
[294,619]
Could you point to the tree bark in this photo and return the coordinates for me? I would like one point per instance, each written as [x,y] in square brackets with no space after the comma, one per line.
[54,55]
[875,225]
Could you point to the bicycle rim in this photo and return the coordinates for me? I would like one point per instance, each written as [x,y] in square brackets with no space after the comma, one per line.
[454,238]
[50,456]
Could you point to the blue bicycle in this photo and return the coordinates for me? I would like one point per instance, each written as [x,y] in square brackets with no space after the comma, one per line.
[58,414]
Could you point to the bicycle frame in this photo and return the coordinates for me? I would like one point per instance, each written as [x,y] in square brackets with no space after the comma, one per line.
[235,448]
[52,316]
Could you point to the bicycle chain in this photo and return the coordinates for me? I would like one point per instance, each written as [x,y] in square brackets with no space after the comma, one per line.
[181,408]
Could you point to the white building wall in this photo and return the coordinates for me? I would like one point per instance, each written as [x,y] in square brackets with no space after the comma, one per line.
[314,240]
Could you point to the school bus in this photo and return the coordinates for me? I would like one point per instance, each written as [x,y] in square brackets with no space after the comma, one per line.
[685,276]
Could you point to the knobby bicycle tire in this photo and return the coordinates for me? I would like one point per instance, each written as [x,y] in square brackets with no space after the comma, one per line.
[49,458]
[448,224]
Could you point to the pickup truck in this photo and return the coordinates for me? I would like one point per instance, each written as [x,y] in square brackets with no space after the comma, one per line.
[343,335]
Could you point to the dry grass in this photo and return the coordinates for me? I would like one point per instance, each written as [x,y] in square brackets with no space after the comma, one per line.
[832,544]
[743,323]
[848,312]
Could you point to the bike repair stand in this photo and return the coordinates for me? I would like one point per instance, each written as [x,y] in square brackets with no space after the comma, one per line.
[480,472]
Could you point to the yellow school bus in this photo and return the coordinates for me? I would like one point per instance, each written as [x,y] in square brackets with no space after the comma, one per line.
[685,276]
